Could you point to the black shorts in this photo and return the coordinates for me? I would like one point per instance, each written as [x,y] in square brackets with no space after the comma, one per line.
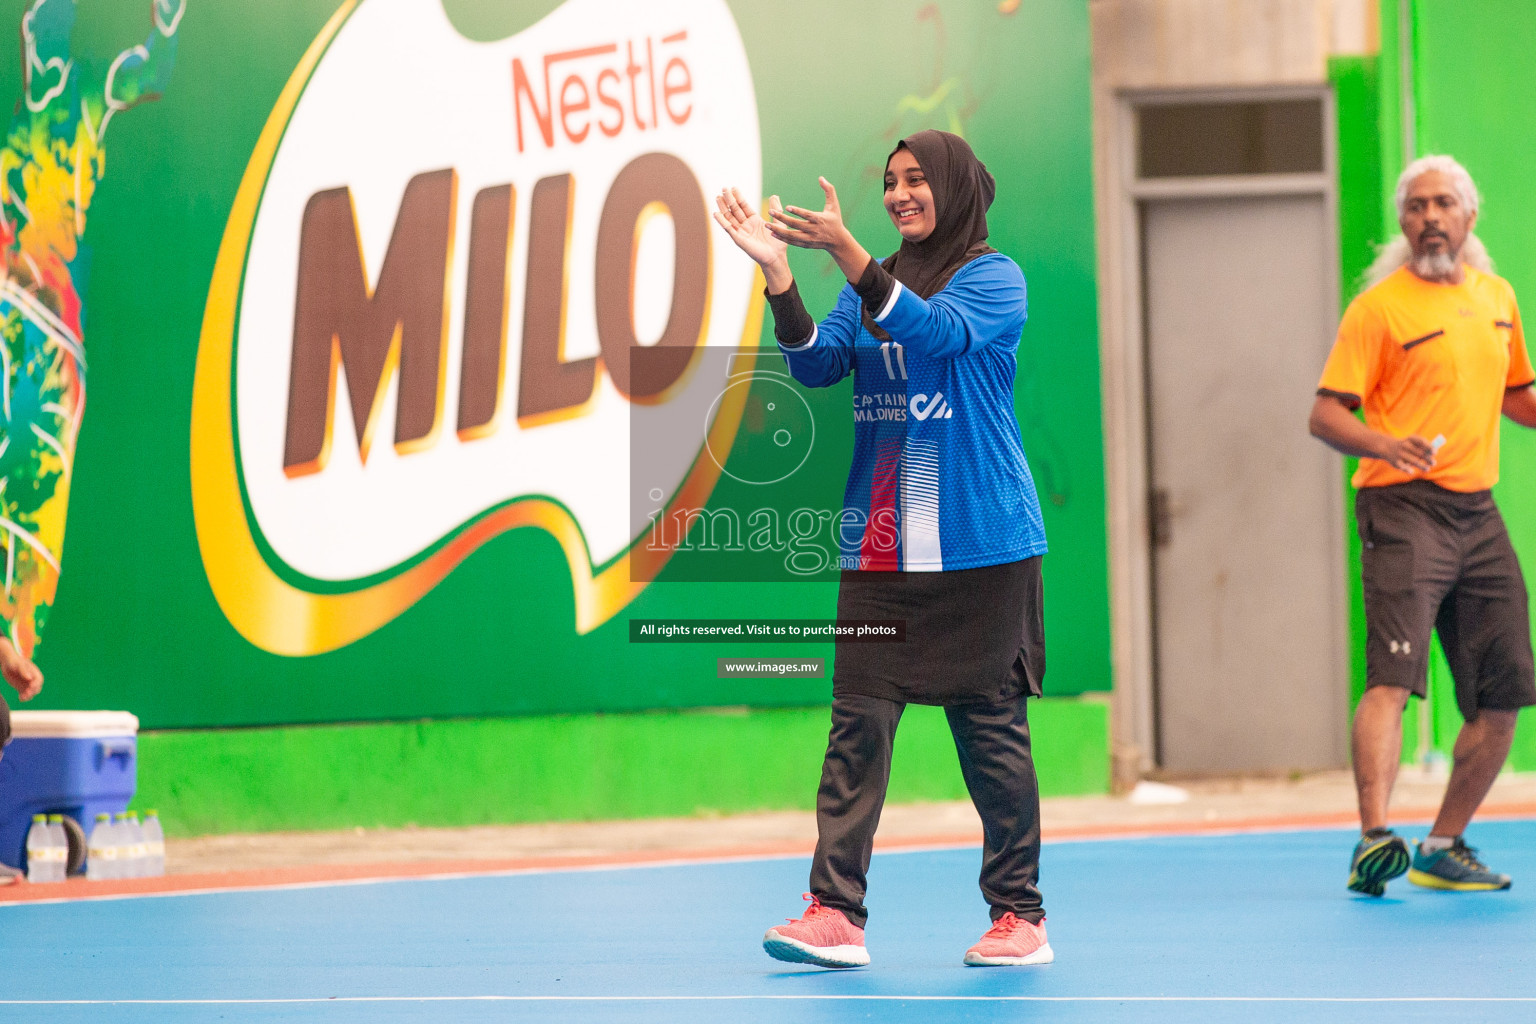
[5,724]
[1433,557]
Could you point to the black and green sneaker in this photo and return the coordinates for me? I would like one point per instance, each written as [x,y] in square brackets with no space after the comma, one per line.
[1455,869]
[1380,856]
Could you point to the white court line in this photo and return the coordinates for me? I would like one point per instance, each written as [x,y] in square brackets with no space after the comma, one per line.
[734,858]
[560,869]
[451,876]
[446,876]
[777,998]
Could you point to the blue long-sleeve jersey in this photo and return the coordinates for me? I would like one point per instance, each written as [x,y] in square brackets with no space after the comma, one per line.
[939,479]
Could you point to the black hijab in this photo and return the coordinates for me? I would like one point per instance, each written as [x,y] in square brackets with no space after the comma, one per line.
[962,191]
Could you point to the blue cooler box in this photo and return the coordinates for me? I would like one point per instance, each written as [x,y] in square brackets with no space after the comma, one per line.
[76,763]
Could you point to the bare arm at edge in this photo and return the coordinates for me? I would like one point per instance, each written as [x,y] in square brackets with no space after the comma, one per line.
[19,671]
[1520,405]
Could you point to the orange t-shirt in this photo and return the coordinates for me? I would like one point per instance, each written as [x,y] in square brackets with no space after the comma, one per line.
[1433,360]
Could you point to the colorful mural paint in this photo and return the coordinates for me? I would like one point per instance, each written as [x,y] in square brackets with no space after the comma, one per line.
[49,167]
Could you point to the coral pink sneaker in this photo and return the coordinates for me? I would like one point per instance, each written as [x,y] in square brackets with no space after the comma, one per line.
[1011,942]
[823,937]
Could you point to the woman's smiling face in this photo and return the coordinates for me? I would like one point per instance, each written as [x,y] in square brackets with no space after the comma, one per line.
[908,199]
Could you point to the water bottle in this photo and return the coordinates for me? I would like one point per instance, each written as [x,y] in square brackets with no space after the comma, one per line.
[113,847]
[154,845]
[60,847]
[124,844]
[37,849]
[101,849]
[131,837]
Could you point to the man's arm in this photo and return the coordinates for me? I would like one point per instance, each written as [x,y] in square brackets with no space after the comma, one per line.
[1520,405]
[1333,424]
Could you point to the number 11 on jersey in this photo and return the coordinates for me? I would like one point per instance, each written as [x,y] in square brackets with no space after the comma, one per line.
[886,348]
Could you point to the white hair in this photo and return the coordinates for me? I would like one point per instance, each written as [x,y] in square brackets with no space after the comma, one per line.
[1461,180]
[1397,252]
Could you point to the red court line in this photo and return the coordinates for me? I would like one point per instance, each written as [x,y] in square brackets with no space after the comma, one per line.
[323,874]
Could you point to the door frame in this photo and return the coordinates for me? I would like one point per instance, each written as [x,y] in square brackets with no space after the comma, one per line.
[1124,382]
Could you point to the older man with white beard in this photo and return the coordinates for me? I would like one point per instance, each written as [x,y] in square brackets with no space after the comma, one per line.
[1433,352]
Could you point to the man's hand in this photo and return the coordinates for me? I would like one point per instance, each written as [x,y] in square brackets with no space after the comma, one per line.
[1410,454]
[1332,423]
[19,671]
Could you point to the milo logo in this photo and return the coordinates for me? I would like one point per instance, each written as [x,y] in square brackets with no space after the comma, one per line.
[456,276]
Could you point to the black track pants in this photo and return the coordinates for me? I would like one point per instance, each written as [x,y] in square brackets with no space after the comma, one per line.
[993,744]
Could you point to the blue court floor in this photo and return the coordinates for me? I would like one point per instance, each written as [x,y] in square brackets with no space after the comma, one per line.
[1254,928]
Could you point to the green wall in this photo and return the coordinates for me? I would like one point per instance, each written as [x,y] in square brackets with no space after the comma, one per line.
[1475,95]
[563,768]
[1473,90]
[1356,86]
[135,625]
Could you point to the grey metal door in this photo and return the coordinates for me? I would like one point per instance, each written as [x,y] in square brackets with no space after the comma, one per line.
[1248,595]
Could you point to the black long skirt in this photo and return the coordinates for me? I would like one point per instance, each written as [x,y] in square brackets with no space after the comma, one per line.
[972,635]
